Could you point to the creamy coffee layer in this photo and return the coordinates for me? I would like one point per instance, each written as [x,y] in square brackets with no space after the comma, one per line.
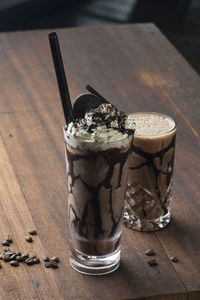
[97,151]
[151,125]
[96,187]
[150,171]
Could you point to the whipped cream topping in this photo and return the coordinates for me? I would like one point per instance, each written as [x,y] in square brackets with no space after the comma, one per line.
[103,124]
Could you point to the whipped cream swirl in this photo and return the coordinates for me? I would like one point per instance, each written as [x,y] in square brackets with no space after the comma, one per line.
[103,124]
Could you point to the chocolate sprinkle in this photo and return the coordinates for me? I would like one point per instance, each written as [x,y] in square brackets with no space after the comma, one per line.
[105,115]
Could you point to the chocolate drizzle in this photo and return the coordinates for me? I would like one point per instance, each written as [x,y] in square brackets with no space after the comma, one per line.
[150,162]
[105,115]
[115,160]
[147,201]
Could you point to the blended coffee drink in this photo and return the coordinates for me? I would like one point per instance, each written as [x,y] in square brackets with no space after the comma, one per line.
[147,203]
[97,159]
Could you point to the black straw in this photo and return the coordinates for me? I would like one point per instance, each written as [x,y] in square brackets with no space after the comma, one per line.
[61,78]
[91,90]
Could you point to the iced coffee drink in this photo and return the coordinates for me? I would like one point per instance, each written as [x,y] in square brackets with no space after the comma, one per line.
[147,204]
[97,157]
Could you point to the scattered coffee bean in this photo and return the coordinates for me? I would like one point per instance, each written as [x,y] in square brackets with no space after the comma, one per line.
[9,239]
[32,257]
[5,249]
[174,259]
[33,232]
[150,252]
[28,239]
[47,264]
[5,243]
[36,260]
[19,258]
[14,263]
[13,256]
[152,262]
[29,261]
[46,259]
[6,257]
[25,256]
[53,264]
[9,252]
[55,258]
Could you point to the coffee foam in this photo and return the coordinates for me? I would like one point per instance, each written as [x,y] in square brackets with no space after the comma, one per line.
[152,124]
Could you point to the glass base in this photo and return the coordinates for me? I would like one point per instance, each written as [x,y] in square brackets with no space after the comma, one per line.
[95,265]
[135,223]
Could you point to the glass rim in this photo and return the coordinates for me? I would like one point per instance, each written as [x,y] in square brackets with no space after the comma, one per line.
[99,142]
[158,114]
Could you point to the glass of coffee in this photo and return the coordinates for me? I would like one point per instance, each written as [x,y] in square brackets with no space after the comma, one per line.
[97,159]
[148,196]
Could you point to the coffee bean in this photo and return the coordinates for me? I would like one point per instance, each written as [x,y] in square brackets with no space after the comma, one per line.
[174,259]
[152,262]
[9,252]
[150,252]
[28,239]
[29,261]
[13,256]
[55,258]
[33,232]
[53,264]
[19,258]
[25,256]
[5,243]
[14,263]
[0,265]
[32,257]
[9,239]
[47,264]
[6,257]
[46,259]
[5,249]
[18,253]
[36,260]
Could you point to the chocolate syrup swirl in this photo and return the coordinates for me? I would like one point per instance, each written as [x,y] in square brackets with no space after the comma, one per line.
[112,158]
[150,162]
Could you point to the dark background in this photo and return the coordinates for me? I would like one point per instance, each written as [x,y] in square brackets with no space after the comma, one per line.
[179,20]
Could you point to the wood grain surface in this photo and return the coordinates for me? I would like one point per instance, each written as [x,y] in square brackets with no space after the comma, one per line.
[137,69]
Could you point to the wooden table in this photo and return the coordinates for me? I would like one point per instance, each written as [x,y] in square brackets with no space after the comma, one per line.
[138,70]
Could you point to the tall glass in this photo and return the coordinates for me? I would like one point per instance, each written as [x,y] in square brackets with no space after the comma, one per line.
[97,179]
[148,196]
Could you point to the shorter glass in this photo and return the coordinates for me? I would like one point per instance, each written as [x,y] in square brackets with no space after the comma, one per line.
[148,196]
[97,179]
